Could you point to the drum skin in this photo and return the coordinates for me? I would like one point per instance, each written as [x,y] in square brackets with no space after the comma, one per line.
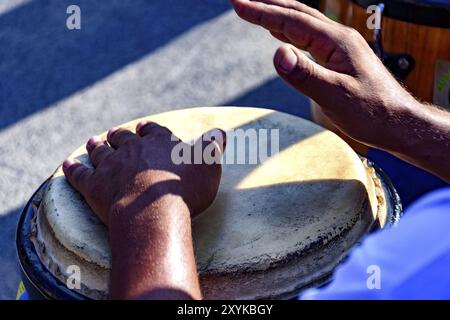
[271,230]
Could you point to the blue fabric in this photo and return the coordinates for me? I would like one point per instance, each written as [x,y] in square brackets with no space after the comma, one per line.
[413,258]
[24,296]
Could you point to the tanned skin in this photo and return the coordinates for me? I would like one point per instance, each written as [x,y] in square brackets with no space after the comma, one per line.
[147,201]
[356,92]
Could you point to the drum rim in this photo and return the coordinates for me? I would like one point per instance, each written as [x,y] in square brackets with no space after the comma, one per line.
[32,268]
[47,285]
[395,208]
[433,15]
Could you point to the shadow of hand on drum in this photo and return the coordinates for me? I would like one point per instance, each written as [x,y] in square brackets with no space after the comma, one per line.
[266,219]
[299,231]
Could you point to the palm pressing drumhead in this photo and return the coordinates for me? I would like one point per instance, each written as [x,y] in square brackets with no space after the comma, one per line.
[275,226]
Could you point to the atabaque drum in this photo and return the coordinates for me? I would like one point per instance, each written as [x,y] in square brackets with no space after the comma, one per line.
[279,224]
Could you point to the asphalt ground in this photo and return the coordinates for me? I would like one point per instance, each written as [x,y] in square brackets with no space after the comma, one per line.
[131,58]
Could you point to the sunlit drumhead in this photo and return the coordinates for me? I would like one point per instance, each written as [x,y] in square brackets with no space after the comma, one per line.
[275,227]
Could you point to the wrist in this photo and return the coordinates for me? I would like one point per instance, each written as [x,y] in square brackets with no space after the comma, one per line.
[408,128]
[140,241]
[146,211]
[421,136]
[396,129]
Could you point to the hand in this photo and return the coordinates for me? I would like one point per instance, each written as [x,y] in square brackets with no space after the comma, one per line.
[356,92]
[146,200]
[134,170]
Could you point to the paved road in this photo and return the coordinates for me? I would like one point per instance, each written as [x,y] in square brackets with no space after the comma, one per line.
[131,58]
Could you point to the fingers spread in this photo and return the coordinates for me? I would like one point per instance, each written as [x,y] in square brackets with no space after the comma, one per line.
[119,136]
[78,175]
[98,150]
[151,128]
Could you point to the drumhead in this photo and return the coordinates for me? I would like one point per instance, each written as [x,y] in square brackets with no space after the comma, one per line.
[435,13]
[275,227]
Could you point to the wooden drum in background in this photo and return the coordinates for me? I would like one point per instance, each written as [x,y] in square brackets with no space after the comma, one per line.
[416,43]
[276,227]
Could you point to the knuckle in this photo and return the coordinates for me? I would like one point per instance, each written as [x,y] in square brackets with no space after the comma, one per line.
[76,173]
[128,142]
[290,23]
[84,172]
[306,74]
[98,146]
[346,86]
[118,133]
[352,34]
[156,130]
[292,13]
[147,127]
[124,138]
[99,153]
[117,136]
[317,13]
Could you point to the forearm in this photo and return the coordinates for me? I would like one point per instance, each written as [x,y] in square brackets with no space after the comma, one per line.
[420,135]
[152,252]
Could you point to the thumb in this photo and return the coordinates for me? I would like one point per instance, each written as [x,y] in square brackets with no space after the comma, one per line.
[212,144]
[304,74]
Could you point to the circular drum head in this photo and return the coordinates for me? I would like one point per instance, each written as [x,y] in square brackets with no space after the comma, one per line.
[276,226]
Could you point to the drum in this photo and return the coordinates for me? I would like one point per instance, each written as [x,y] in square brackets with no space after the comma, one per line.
[338,10]
[277,226]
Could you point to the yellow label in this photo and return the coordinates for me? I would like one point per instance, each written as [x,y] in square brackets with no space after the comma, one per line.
[442,84]
[20,290]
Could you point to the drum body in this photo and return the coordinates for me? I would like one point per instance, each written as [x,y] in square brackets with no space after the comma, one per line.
[276,227]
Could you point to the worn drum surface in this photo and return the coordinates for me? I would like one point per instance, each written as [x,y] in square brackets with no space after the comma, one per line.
[276,227]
